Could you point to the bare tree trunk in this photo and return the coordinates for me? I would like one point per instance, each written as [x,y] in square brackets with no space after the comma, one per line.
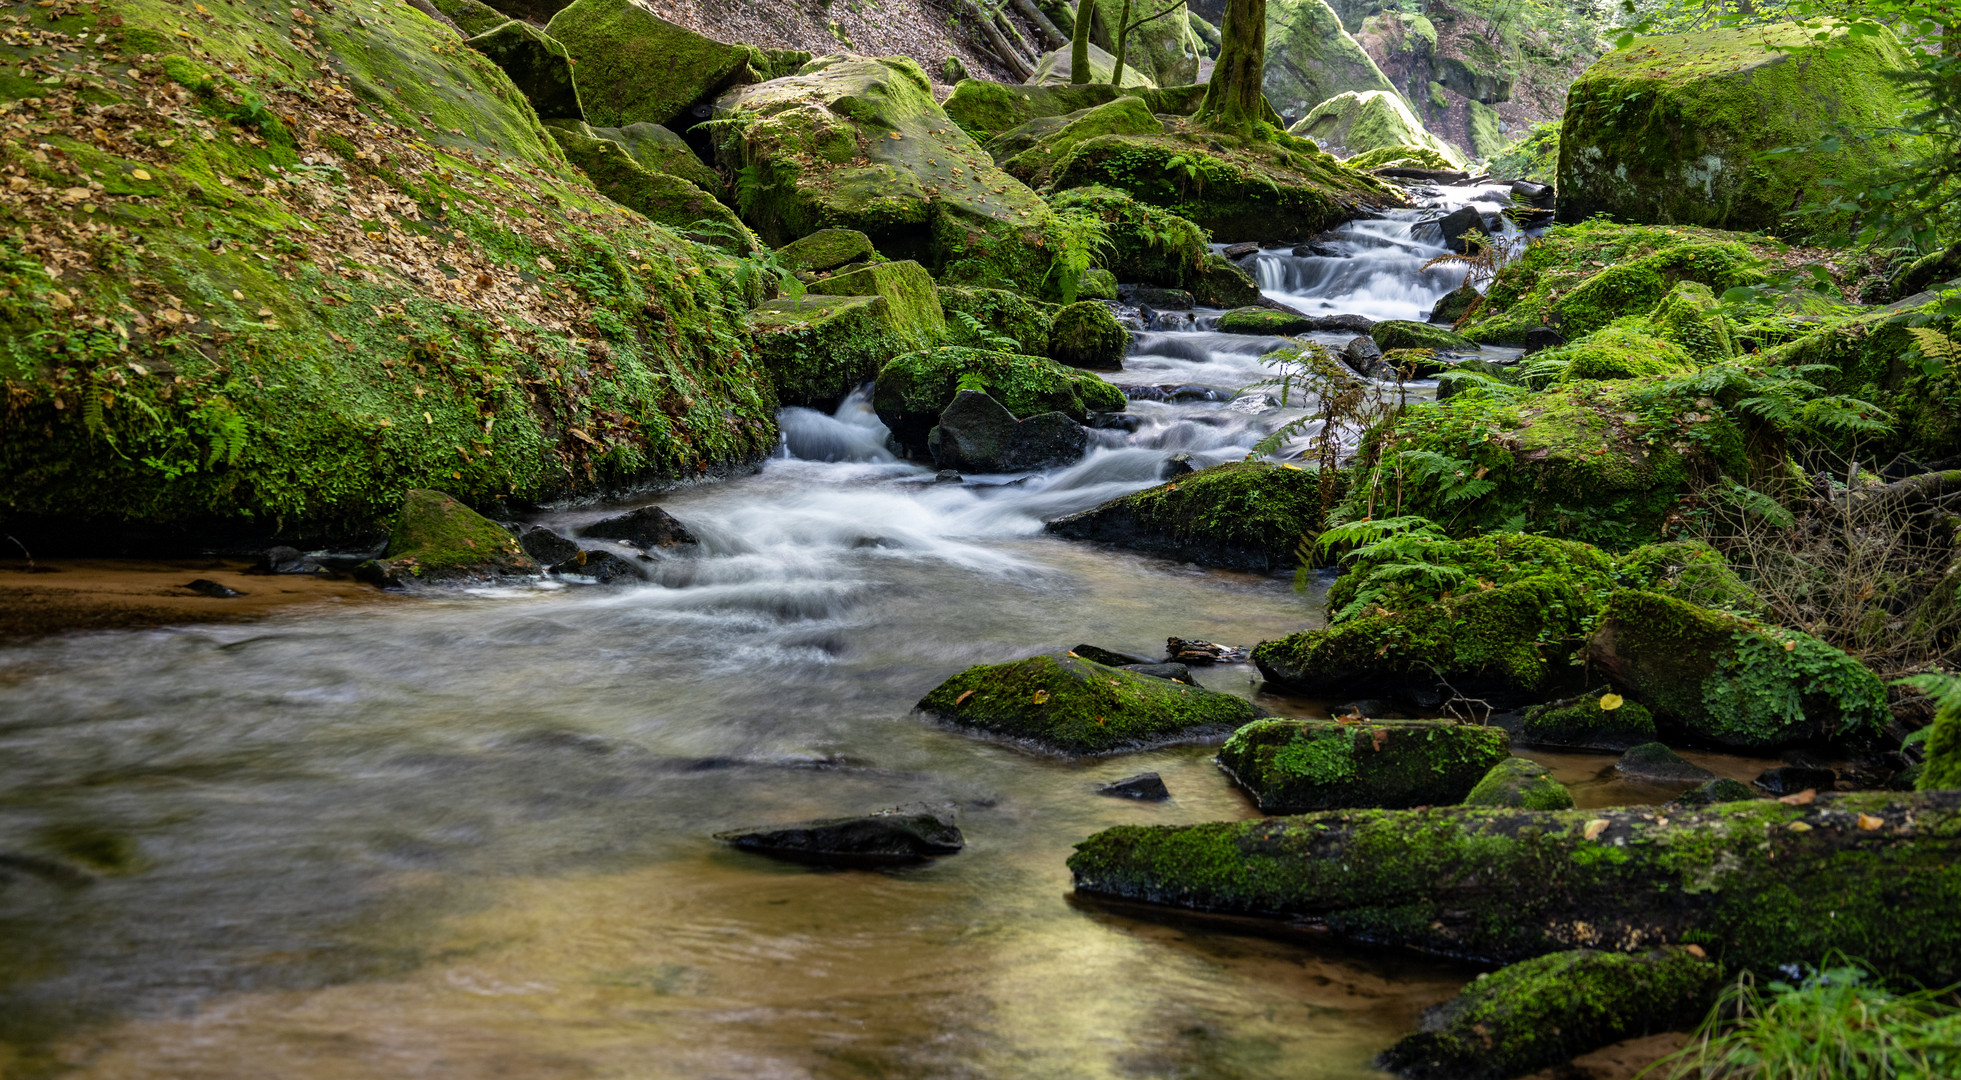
[1079,44]
[1234,99]
[1014,34]
[1052,36]
[1004,51]
[1123,39]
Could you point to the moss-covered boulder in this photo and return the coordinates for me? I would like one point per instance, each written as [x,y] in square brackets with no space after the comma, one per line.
[1403,334]
[912,306]
[1731,680]
[1059,135]
[860,144]
[657,196]
[1690,317]
[1402,156]
[825,250]
[1157,47]
[1504,885]
[1670,129]
[998,313]
[1243,515]
[1070,705]
[818,349]
[1371,120]
[1148,244]
[472,17]
[636,67]
[1942,767]
[1543,1011]
[1616,352]
[1297,766]
[1587,724]
[435,538]
[1087,335]
[1056,67]
[913,389]
[538,65]
[659,150]
[1262,322]
[1310,58]
[1518,782]
[413,289]
[985,109]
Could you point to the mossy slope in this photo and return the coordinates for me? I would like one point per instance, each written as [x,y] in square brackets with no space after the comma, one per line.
[1298,766]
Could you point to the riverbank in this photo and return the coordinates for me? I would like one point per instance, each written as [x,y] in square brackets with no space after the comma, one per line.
[75,595]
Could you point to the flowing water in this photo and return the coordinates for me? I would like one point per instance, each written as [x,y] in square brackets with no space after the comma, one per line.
[471,835]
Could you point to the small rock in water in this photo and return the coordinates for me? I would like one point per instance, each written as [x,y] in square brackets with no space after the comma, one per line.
[978,434]
[1240,251]
[546,546]
[1174,672]
[949,476]
[1114,421]
[1719,790]
[1190,392]
[1152,296]
[1458,222]
[1531,192]
[1542,337]
[1791,779]
[1364,709]
[603,567]
[1178,464]
[646,528]
[284,560]
[1321,251]
[1142,786]
[1654,761]
[1253,404]
[207,587]
[906,834]
[1108,656]
[1193,651]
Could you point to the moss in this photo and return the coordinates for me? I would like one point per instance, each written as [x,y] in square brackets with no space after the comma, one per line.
[1369,121]
[1123,116]
[1486,129]
[1310,58]
[1403,334]
[1688,570]
[1097,284]
[1147,244]
[472,17]
[537,65]
[1296,766]
[1942,768]
[353,270]
[659,197]
[1001,313]
[659,150]
[912,307]
[1077,706]
[1087,335]
[436,538]
[1616,352]
[1672,128]
[1690,317]
[616,43]
[1586,725]
[1543,1011]
[1517,782]
[1731,680]
[914,388]
[1053,69]
[1243,515]
[818,349]
[1533,157]
[1403,155]
[1220,283]
[825,249]
[1380,579]
[985,108]
[1156,49]
[1504,885]
[1263,322]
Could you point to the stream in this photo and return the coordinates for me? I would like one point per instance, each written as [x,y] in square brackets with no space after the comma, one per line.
[471,835]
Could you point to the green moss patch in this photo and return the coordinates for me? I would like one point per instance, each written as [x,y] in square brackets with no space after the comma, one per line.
[1296,766]
[817,349]
[1086,335]
[1369,121]
[1517,782]
[1587,725]
[985,108]
[437,538]
[657,196]
[636,67]
[1032,165]
[1147,244]
[912,307]
[1000,314]
[1243,515]
[826,249]
[914,388]
[1403,334]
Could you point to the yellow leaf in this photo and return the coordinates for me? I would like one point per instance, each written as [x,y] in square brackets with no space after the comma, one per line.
[427,419]
[1802,798]
[1610,702]
[1789,645]
[1041,697]
[236,295]
[1596,827]
[140,174]
[59,301]
[1697,951]
[1798,826]
[1869,823]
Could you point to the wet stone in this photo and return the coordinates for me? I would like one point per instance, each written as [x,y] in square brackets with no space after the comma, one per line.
[1108,656]
[906,834]
[1174,672]
[284,560]
[602,567]
[1148,786]
[1720,790]
[1153,296]
[1542,337]
[1654,761]
[546,546]
[1176,465]
[1791,779]
[1193,651]
[212,589]
[646,528]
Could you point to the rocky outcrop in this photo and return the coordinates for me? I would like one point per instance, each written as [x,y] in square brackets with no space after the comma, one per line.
[1250,515]
[617,43]
[907,834]
[537,64]
[912,305]
[977,435]
[658,196]
[913,389]
[658,149]
[817,349]
[1361,121]
[436,538]
[1298,766]
[1310,58]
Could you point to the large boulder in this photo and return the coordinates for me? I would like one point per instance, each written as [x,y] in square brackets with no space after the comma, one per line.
[1669,130]
[1521,783]
[1029,152]
[1543,1011]
[538,65]
[636,67]
[657,196]
[1156,48]
[1297,766]
[860,144]
[436,538]
[472,17]
[976,434]
[912,306]
[999,314]
[1071,705]
[984,108]
[1243,515]
[658,149]
[1371,120]
[913,389]
[1310,58]
[1754,884]
[817,349]
[1730,680]
[1055,69]
[825,250]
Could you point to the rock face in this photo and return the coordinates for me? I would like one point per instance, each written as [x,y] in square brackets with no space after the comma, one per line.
[1403,334]
[536,63]
[1519,783]
[1666,131]
[914,389]
[1074,706]
[911,304]
[436,538]
[1541,1012]
[1310,58]
[647,528]
[977,435]
[1500,886]
[658,196]
[1732,681]
[908,834]
[1001,314]
[1361,121]
[616,43]
[825,250]
[860,144]
[1298,766]
[659,150]
[1237,516]
[1087,335]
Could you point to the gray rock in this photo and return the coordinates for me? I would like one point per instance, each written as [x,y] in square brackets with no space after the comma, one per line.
[1458,222]
[603,567]
[1542,337]
[1240,251]
[646,528]
[906,834]
[1537,194]
[1108,656]
[284,560]
[1654,761]
[546,546]
[1174,672]
[1148,786]
[1791,779]
[1193,651]
[207,587]
[1153,296]
[1178,464]
[978,434]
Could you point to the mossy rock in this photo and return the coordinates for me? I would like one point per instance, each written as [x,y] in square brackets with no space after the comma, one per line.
[488,324]
[1055,68]
[825,249]
[1243,515]
[999,312]
[618,45]
[985,109]
[1059,135]
[1730,680]
[1262,322]
[1615,352]
[1395,334]
[1371,120]
[659,150]
[1690,317]
[1504,885]
[1298,766]
[472,17]
[1517,782]
[1070,705]
[1455,304]
[1157,45]
[659,197]
[1942,768]
[1402,155]
[1220,283]
[1586,725]
[818,349]
[1310,58]
[912,307]
[436,538]
[914,388]
[1087,335]
[1097,284]
[537,64]
[860,144]
[1542,1012]
[1670,129]
[1710,792]
[1148,244]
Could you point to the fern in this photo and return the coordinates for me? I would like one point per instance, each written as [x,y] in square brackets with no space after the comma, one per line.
[1455,479]
[1370,531]
[983,333]
[1477,384]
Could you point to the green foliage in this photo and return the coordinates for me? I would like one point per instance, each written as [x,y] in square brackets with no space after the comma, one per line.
[1146,243]
[1534,156]
[1079,240]
[981,335]
[1943,736]
[1784,398]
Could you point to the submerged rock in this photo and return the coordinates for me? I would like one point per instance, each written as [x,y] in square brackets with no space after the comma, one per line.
[1107,656]
[212,589]
[1076,706]
[1297,766]
[601,567]
[646,528]
[1791,779]
[1148,786]
[907,834]
[1520,783]
[1544,1011]
[977,434]
[1655,761]
[437,538]
[1237,516]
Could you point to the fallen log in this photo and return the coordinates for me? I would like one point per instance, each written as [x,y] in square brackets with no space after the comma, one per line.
[1757,885]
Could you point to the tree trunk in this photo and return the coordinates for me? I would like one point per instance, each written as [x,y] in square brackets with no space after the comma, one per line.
[1234,99]
[1052,36]
[1079,44]
[1022,47]
[1758,883]
[1123,39]
[1002,49]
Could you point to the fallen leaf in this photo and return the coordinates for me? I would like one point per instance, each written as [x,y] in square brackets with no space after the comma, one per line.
[59,301]
[236,295]
[1789,645]
[1869,823]
[962,699]
[1596,827]
[1798,826]
[140,174]
[1802,798]
[1697,951]
[1041,697]
[427,419]
[1610,702]
[1381,737]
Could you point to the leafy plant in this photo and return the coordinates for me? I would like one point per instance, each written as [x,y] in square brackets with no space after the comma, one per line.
[762,267]
[979,331]
[1080,238]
